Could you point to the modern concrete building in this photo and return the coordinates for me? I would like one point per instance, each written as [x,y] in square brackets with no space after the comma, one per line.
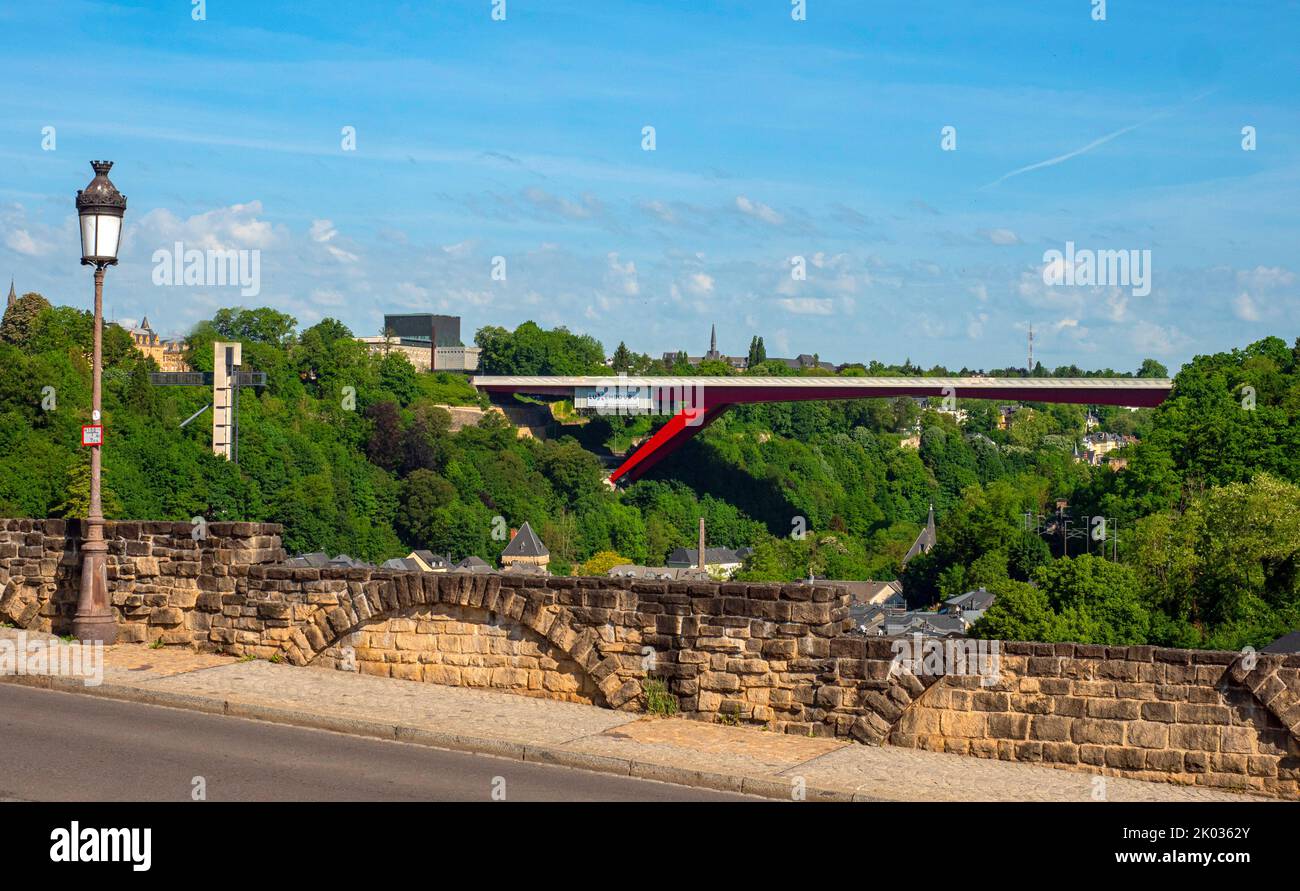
[457,358]
[430,341]
[424,328]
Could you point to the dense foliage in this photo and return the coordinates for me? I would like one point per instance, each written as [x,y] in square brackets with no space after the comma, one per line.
[354,453]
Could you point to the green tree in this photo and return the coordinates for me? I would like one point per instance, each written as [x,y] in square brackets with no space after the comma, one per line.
[19,319]
[622,359]
[1095,601]
[424,493]
[1152,368]
[262,325]
[1020,611]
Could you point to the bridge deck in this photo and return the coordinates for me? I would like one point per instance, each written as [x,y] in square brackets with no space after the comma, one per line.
[528,383]
[696,401]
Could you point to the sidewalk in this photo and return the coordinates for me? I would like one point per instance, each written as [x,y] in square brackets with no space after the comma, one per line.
[675,750]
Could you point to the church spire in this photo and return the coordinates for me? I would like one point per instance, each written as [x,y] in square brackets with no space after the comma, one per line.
[713,340]
[13,297]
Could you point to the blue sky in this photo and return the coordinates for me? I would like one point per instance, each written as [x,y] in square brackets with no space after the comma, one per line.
[775,139]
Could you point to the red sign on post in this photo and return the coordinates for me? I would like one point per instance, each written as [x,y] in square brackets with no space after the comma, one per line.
[92,435]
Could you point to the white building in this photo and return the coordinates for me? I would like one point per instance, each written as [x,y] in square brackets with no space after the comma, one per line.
[459,358]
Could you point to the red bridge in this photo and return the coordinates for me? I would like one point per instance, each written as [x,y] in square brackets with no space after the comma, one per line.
[695,402]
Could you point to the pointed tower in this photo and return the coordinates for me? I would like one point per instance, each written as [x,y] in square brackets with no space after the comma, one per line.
[527,549]
[13,297]
[925,541]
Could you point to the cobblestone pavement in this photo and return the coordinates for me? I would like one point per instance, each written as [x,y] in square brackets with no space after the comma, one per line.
[674,749]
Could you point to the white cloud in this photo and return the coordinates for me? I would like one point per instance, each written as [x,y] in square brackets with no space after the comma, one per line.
[226,228]
[327,297]
[662,211]
[460,249]
[758,211]
[586,208]
[1117,304]
[999,236]
[810,306]
[20,240]
[1151,338]
[1244,308]
[322,230]
[1264,277]
[700,283]
[623,275]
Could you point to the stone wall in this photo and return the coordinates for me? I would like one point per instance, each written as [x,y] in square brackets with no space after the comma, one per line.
[1184,716]
[732,649]
[462,647]
[165,580]
[777,655]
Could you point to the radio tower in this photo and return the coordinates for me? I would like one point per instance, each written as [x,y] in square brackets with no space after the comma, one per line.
[1031,349]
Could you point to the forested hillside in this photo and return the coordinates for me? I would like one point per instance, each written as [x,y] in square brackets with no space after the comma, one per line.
[353,454]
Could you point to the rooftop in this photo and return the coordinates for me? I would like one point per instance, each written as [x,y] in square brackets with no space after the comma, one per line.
[525,544]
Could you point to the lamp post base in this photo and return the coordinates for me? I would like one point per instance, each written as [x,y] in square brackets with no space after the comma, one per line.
[96,627]
[94,619]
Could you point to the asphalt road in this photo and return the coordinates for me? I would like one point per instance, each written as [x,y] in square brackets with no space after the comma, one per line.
[58,746]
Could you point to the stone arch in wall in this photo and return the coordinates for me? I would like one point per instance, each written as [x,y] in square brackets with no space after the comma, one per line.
[461,646]
[521,639]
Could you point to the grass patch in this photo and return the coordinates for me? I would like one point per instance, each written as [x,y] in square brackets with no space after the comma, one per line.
[658,701]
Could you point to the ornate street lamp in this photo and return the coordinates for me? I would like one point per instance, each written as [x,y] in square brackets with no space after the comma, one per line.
[101,208]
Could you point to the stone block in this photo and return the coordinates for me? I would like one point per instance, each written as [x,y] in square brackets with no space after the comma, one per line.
[1239,740]
[1192,713]
[167,615]
[1008,726]
[1097,731]
[1158,711]
[963,724]
[1148,734]
[1121,758]
[1055,728]
[1115,709]
[1194,737]
[1060,752]
[719,681]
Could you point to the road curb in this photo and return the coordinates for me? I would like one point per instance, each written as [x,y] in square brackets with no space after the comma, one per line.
[760,786]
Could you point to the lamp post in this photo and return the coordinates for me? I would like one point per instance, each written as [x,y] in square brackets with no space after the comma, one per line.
[101,208]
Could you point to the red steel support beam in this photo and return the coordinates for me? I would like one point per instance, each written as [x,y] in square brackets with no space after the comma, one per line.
[667,439]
